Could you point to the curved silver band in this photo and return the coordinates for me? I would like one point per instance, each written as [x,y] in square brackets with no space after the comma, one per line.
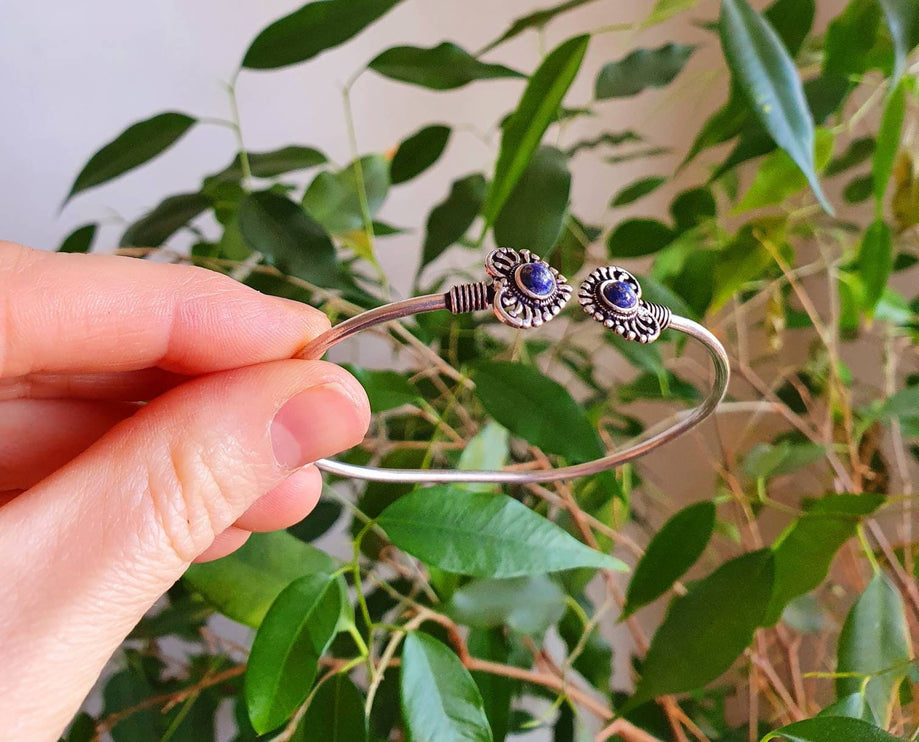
[434,302]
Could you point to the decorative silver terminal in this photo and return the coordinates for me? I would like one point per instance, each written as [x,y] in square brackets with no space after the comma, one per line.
[612,296]
[528,291]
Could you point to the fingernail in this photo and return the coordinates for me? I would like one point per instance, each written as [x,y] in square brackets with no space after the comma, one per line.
[318,422]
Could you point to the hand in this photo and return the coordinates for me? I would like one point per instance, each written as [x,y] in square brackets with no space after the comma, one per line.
[103,501]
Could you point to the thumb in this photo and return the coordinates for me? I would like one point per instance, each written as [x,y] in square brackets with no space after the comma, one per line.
[89,549]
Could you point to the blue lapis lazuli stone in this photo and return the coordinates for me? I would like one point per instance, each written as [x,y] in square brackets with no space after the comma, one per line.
[620,294]
[536,278]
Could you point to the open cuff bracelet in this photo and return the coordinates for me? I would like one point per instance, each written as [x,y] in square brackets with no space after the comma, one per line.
[525,292]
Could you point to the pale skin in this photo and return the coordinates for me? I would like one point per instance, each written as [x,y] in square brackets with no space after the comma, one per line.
[144,425]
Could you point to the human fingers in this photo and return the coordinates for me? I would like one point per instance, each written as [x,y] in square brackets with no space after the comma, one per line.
[225,542]
[125,386]
[69,312]
[39,436]
[288,503]
[98,541]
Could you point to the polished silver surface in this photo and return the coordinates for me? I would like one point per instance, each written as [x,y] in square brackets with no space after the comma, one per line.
[433,302]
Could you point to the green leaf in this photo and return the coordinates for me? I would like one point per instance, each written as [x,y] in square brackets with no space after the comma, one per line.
[284,660]
[636,237]
[320,520]
[888,143]
[124,690]
[483,535]
[268,164]
[792,21]
[643,68]
[856,153]
[451,219]
[746,257]
[170,215]
[440,700]
[497,691]
[529,605]
[137,144]
[334,199]
[644,356]
[693,207]
[666,9]
[335,714]
[804,552]
[902,18]
[311,30]
[442,67]
[536,408]
[417,153]
[82,729]
[570,251]
[904,403]
[486,450]
[611,139]
[533,214]
[726,123]
[536,110]
[636,190]
[831,729]
[672,551]
[80,240]
[779,178]
[858,189]
[385,389]
[767,460]
[244,584]
[534,20]
[875,641]
[707,629]
[875,262]
[288,238]
[851,39]
[854,706]
[764,71]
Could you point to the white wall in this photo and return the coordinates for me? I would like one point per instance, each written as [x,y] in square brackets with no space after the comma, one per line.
[74,74]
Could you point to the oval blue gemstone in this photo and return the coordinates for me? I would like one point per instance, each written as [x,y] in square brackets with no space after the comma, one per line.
[620,294]
[536,278]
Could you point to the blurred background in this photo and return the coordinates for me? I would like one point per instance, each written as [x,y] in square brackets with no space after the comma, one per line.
[73,75]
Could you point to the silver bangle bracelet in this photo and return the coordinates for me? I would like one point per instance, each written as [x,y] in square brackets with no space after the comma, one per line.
[525,292]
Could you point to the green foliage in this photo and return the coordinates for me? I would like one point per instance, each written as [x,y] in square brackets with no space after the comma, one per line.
[532,216]
[537,109]
[288,237]
[447,611]
[483,535]
[316,27]
[137,144]
[672,551]
[707,629]
[243,585]
[292,637]
[440,699]
[418,152]
[536,408]
[874,647]
[80,240]
[643,68]
[765,72]
[830,729]
[442,67]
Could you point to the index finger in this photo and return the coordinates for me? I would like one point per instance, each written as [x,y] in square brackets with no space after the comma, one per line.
[90,313]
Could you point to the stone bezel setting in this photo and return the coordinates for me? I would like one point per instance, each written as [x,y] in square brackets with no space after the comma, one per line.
[515,303]
[641,322]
